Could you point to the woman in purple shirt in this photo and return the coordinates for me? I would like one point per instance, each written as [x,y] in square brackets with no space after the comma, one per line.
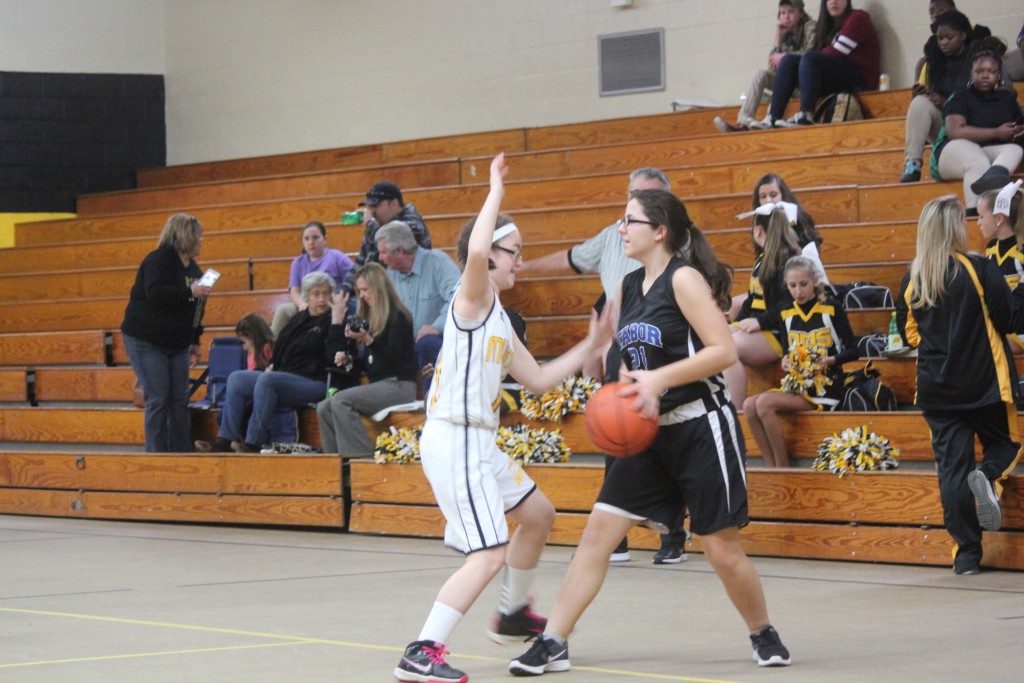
[315,257]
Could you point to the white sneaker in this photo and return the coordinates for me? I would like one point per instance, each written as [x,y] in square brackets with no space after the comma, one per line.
[764,124]
[620,557]
[797,119]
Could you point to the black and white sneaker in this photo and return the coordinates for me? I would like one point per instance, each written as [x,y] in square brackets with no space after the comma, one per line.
[520,626]
[423,662]
[670,553]
[990,516]
[544,655]
[768,648]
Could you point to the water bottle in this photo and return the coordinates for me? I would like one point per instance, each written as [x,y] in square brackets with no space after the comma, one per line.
[883,82]
[895,340]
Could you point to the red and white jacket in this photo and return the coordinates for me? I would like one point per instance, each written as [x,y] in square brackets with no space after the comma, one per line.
[858,42]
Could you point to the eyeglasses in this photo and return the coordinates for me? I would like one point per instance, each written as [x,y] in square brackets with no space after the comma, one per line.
[627,221]
[516,253]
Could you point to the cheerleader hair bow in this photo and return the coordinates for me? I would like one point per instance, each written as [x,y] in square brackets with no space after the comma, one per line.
[1002,203]
[766,210]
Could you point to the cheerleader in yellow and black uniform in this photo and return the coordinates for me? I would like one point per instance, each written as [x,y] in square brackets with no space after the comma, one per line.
[811,319]
[1001,221]
[955,308]
[775,242]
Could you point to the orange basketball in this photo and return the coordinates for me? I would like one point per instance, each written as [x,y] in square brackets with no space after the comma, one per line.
[614,426]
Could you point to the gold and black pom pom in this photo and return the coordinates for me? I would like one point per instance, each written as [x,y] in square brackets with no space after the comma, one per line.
[570,396]
[856,450]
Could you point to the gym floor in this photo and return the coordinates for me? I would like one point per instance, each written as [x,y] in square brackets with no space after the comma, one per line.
[84,601]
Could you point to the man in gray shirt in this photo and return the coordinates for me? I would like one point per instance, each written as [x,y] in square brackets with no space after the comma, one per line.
[425,280]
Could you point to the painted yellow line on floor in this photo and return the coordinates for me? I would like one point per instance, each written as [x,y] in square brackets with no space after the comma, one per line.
[100,658]
[302,640]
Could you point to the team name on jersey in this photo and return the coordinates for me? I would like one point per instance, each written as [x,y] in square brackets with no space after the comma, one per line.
[639,332]
[819,337]
[498,351]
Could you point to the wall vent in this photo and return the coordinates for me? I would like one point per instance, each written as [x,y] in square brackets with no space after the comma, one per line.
[632,62]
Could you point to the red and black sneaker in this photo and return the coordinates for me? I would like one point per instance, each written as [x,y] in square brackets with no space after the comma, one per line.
[518,627]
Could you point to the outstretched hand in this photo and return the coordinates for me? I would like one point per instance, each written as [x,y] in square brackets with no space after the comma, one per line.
[602,327]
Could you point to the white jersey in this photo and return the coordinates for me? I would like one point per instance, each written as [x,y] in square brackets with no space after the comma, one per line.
[474,358]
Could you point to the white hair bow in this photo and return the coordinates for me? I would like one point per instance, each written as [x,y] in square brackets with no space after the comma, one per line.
[766,210]
[1002,203]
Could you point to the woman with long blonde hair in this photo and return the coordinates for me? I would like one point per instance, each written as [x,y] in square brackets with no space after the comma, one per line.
[382,331]
[956,308]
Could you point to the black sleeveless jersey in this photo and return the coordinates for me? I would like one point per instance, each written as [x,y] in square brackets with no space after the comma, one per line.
[653,333]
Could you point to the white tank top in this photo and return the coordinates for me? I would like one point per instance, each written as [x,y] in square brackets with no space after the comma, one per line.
[474,358]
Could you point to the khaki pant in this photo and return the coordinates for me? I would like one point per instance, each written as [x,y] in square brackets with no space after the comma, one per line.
[762,78]
[1013,65]
[924,121]
[968,160]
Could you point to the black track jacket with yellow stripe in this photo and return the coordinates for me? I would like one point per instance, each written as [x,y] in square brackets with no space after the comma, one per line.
[963,361]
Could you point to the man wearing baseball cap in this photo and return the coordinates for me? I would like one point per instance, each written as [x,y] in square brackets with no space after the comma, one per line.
[384,203]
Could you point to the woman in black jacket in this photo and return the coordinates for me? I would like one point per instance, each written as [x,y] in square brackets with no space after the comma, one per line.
[295,377]
[956,309]
[383,330]
[161,331]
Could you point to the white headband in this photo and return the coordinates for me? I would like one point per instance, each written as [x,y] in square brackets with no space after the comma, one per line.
[766,210]
[1002,203]
[504,230]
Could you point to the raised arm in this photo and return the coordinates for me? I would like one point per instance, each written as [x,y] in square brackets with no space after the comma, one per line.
[477,293]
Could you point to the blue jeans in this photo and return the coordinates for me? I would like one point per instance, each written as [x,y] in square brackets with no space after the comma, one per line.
[164,378]
[816,74]
[427,349]
[263,394]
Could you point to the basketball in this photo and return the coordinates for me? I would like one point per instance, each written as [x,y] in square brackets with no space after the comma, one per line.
[614,426]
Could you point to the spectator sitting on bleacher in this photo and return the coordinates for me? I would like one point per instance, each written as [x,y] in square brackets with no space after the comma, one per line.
[316,257]
[774,244]
[425,280]
[936,8]
[949,304]
[810,319]
[947,68]
[1001,221]
[295,377]
[383,330]
[845,57]
[984,126]
[161,331]
[771,189]
[384,203]
[1014,60]
[257,340]
[794,34]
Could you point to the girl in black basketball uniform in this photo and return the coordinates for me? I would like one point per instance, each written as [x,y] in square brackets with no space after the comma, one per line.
[955,308]
[674,342]
[811,319]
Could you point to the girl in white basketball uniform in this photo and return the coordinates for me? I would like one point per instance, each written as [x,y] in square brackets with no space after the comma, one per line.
[476,485]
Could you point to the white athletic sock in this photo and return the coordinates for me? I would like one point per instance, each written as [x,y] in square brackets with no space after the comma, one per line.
[559,640]
[440,623]
[515,587]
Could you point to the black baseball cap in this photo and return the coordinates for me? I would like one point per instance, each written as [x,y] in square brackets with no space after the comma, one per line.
[380,192]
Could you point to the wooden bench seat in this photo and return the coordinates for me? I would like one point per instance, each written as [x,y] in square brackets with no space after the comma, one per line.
[121,426]
[626,130]
[225,489]
[13,384]
[51,348]
[745,156]
[697,185]
[423,174]
[94,384]
[224,310]
[868,517]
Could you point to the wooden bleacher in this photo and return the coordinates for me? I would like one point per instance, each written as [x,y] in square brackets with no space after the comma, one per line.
[65,384]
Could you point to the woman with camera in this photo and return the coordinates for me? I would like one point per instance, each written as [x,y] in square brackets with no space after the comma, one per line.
[383,330]
[294,377]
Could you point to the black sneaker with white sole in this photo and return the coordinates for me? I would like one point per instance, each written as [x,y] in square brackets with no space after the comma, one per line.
[990,515]
[520,626]
[545,655]
[768,648]
[423,662]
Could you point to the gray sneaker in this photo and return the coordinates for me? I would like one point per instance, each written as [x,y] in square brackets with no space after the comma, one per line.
[543,656]
[990,516]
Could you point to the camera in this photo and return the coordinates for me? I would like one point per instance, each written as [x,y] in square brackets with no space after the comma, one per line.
[355,323]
